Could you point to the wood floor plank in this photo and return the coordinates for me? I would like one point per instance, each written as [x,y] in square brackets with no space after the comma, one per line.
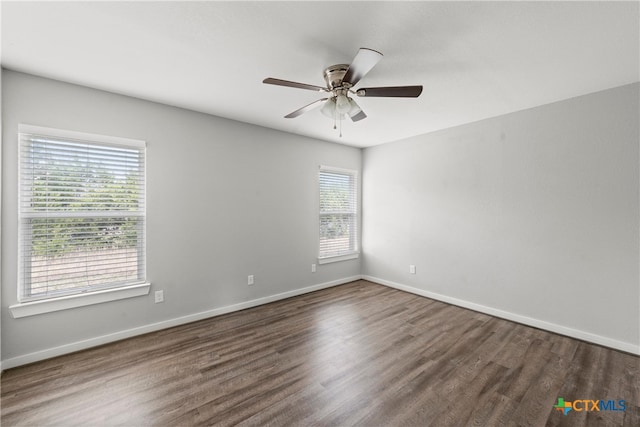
[356,354]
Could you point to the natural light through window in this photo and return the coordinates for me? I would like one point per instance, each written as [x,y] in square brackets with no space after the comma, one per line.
[338,214]
[81,214]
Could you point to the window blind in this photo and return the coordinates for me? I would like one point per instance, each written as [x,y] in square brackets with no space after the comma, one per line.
[81,213]
[338,212]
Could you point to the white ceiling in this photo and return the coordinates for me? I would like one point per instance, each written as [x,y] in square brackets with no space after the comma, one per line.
[474,59]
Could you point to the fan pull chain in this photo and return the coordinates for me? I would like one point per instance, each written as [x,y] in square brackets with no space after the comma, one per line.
[340,125]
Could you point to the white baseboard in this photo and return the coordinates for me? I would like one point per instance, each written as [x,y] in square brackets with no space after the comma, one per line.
[128,333]
[529,321]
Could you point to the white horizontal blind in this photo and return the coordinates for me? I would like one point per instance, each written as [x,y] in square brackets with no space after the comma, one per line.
[81,213]
[338,212]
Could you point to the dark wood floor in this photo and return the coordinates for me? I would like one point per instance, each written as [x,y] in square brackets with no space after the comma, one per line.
[356,354]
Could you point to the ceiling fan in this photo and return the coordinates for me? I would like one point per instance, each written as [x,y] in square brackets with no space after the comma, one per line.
[341,80]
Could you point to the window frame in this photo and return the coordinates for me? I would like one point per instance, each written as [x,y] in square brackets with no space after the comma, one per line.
[354,251]
[28,305]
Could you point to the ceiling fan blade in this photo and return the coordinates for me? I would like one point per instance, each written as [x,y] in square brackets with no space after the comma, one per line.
[306,108]
[364,61]
[357,117]
[279,82]
[356,114]
[391,91]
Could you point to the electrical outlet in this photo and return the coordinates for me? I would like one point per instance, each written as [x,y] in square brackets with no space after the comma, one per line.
[412,269]
[159,296]
[250,279]
[313,268]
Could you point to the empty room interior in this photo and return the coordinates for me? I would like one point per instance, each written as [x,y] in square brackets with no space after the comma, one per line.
[320,213]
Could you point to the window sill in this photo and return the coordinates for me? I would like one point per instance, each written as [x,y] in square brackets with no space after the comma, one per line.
[338,258]
[79,300]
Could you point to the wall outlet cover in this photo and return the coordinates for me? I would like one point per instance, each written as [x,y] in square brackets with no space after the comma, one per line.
[159,295]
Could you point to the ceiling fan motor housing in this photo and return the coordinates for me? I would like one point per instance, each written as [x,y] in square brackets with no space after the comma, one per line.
[334,74]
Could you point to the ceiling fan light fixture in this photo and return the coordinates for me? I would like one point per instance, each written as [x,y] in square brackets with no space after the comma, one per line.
[343,106]
[329,108]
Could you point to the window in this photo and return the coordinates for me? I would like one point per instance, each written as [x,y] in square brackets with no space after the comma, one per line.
[81,213]
[338,214]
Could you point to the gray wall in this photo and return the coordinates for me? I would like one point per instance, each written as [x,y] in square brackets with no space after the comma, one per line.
[534,213]
[225,199]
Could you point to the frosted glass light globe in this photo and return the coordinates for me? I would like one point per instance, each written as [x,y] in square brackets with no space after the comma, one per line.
[342,104]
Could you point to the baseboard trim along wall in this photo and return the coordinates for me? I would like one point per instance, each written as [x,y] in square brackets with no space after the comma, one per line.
[117,336]
[128,333]
[536,323]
